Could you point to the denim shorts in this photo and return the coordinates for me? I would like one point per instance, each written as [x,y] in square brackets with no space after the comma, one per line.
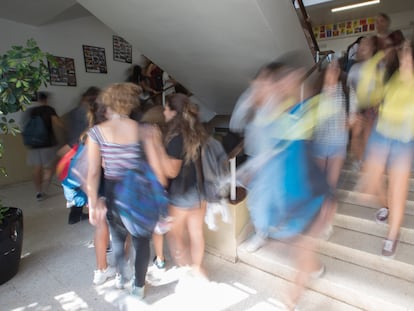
[323,151]
[189,200]
[389,149]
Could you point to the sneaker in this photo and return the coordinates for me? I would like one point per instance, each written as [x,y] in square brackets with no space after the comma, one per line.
[381,216]
[327,233]
[40,196]
[100,276]
[390,246]
[317,273]
[138,292]
[255,242]
[119,281]
[159,264]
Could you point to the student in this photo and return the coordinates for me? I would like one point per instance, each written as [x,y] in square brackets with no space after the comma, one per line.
[116,144]
[43,158]
[184,136]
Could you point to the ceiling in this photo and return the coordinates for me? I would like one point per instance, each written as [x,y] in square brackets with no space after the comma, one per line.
[321,13]
[42,12]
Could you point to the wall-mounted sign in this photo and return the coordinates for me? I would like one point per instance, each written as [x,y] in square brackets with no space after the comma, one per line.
[63,73]
[122,50]
[95,59]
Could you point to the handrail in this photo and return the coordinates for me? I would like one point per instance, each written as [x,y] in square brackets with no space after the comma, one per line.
[236,150]
[158,93]
[307,24]
[317,65]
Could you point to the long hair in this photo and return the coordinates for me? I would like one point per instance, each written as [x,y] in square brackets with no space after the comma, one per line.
[186,123]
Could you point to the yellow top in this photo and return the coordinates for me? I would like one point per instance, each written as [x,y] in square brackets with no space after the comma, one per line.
[396,114]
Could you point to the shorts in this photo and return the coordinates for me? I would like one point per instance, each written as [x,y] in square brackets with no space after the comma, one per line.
[189,200]
[394,152]
[323,151]
[44,157]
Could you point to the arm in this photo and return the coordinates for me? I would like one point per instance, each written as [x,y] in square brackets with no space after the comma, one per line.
[97,208]
[170,166]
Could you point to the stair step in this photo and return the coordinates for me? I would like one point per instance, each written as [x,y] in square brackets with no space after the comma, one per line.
[361,218]
[347,174]
[365,250]
[350,186]
[358,198]
[353,284]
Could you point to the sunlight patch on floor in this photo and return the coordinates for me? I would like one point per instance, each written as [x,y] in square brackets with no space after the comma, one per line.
[70,301]
[33,306]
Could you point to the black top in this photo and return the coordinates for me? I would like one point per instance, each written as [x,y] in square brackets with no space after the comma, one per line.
[46,113]
[187,177]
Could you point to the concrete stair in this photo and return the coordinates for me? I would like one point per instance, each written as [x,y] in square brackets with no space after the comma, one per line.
[356,273]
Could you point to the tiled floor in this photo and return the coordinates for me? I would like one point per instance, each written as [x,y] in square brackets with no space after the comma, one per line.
[58,262]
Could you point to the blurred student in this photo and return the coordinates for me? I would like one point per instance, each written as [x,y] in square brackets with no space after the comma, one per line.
[42,156]
[286,188]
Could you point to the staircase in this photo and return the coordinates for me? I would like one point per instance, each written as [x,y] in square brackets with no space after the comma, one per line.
[356,273]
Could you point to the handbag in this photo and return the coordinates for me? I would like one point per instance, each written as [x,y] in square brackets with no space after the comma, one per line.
[62,167]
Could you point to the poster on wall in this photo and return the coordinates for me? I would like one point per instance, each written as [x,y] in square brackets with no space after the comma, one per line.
[346,28]
[63,72]
[122,50]
[95,59]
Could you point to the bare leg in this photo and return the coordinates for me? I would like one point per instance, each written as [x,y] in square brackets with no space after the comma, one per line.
[196,234]
[101,243]
[306,260]
[47,177]
[356,139]
[372,179]
[176,236]
[398,189]
[37,178]
[334,167]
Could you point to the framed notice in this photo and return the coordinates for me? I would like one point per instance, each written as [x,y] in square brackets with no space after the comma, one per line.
[63,72]
[95,59]
[122,50]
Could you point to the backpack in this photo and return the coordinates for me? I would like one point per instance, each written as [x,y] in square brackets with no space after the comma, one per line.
[215,170]
[140,200]
[35,133]
[72,182]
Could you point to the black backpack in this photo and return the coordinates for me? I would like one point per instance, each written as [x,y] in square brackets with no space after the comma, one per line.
[35,133]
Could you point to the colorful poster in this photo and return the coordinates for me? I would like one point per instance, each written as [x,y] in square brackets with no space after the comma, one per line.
[345,28]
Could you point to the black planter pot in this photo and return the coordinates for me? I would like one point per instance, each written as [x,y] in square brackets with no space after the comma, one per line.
[11,240]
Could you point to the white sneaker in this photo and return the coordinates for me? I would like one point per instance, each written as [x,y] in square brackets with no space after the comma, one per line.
[119,281]
[317,273]
[100,276]
[254,243]
[327,233]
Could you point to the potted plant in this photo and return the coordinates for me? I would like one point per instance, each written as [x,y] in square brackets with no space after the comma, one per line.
[23,70]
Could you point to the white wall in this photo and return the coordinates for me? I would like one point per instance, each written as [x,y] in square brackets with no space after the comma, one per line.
[403,21]
[66,39]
